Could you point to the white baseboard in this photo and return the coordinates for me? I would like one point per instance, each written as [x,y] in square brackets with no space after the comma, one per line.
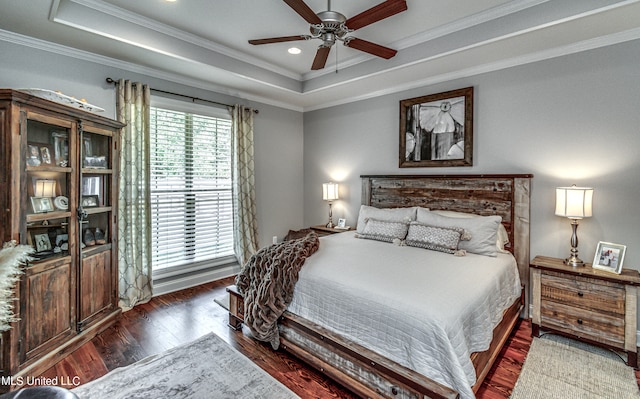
[166,286]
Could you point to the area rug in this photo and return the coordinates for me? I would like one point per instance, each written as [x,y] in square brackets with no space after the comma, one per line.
[207,368]
[558,368]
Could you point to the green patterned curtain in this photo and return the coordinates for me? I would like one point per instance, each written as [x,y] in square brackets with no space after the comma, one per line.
[244,197]
[134,215]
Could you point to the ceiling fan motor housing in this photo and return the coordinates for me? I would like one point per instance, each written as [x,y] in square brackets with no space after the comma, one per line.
[332,23]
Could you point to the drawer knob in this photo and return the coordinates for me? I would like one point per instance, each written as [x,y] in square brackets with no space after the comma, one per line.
[394,390]
[581,294]
[579,321]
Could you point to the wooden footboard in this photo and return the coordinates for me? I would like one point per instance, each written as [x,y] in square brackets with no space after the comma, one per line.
[357,368]
[371,375]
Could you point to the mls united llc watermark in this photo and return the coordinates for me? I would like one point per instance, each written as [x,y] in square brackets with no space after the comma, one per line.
[26,381]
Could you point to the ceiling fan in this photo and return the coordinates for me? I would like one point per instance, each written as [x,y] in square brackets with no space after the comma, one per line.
[330,26]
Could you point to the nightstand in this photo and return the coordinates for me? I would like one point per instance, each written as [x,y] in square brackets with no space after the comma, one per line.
[587,304]
[323,230]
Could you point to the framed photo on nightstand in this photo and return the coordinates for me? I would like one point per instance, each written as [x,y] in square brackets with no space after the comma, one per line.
[609,257]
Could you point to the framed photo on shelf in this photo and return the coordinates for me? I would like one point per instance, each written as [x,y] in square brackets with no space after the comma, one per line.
[46,155]
[609,257]
[61,148]
[89,201]
[87,149]
[41,204]
[436,130]
[33,154]
[42,242]
[95,162]
[93,186]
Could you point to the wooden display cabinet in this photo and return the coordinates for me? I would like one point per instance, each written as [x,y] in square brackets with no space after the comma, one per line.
[59,178]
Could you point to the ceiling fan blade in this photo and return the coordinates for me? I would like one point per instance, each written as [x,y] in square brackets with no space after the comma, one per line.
[371,48]
[321,58]
[377,13]
[305,12]
[279,39]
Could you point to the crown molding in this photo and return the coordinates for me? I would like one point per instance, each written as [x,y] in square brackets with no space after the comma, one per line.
[609,40]
[136,19]
[38,44]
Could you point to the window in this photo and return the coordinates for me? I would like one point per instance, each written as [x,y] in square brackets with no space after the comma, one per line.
[191,198]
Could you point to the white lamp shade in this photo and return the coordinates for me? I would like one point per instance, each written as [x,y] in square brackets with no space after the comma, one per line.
[45,188]
[574,202]
[329,191]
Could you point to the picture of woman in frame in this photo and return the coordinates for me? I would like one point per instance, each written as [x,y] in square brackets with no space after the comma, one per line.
[34,155]
[46,155]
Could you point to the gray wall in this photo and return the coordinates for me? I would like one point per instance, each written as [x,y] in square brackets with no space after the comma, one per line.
[569,120]
[277,131]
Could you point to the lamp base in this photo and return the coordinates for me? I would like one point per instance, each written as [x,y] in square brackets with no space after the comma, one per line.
[574,261]
[330,225]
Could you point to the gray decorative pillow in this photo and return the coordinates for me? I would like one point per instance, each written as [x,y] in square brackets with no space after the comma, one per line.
[434,238]
[381,230]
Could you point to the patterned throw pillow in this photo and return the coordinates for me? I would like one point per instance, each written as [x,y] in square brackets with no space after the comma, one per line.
[435,238]
[383,231]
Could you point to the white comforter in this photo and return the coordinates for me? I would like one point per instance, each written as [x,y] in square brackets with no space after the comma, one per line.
[426,310]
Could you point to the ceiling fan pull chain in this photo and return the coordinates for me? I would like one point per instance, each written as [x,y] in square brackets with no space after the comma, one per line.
[337,59]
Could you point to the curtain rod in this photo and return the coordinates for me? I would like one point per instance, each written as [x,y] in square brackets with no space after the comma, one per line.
[193,99]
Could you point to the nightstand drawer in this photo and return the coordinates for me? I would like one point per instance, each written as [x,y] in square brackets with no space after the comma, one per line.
[596,326]
[583,292]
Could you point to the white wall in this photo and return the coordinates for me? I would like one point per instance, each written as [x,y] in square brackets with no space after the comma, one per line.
[573,119]
[278,132]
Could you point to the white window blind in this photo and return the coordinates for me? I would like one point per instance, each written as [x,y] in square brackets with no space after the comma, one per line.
[191,199]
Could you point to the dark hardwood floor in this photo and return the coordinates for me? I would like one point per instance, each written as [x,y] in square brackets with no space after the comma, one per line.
[177,318]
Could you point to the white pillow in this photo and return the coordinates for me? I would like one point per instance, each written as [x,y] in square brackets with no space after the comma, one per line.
[503,236]
[404,215]
[483,230]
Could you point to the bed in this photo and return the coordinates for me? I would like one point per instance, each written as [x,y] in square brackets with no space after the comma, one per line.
[357,315]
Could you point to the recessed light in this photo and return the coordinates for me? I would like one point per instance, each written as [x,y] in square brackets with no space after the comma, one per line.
[294,50]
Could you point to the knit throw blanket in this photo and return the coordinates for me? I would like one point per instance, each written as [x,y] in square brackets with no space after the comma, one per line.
[267,282]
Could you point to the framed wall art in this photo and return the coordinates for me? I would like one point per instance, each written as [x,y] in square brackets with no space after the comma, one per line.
[437,130]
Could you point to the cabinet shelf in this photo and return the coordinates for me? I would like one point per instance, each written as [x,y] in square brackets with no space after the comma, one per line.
[57,169]
[53,259]
[41,217]
[98,209]
[96,171]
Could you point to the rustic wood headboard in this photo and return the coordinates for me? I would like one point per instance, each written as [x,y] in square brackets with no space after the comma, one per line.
[505,195]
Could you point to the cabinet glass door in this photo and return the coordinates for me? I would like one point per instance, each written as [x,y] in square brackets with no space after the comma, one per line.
[95,202]
[48,188]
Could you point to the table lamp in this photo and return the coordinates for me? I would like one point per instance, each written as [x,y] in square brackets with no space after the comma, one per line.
[574,203]
[45,188]
[330,193]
